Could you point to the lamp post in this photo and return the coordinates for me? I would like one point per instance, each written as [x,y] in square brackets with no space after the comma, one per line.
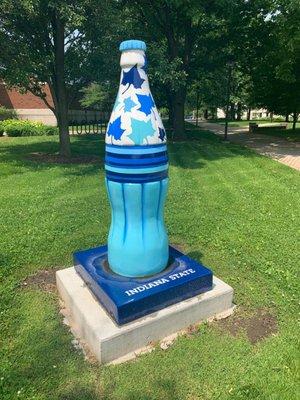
[230,65]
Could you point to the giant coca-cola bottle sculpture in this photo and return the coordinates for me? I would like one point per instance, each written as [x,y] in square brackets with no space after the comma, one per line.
[136,167]
[137,281]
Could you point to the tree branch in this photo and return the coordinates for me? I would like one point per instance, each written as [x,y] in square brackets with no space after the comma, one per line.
[42,95]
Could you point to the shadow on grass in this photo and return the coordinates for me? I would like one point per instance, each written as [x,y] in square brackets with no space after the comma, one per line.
[18,154]
[81,393]
[195,255]
[194,152]
[165,387]
[202,147]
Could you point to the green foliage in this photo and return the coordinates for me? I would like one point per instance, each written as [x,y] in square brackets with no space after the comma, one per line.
[44,42]
[28,54]
[189,46]
[15,128]
[277,87]
[97,96]
[7,113]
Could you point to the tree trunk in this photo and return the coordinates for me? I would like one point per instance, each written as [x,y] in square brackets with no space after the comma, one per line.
[170,108]
[213,113]
[206,113]
[60,101]
[170,117]
[239,111]
[178,114]
[197,110]
[295,117]
[249,114]
[232,111]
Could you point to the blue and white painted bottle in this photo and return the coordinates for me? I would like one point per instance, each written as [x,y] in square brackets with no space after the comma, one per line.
[136,165]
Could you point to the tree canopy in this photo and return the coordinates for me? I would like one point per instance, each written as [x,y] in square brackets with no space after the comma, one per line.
[73,46]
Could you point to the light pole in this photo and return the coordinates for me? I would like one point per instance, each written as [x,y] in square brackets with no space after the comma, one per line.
[230,65]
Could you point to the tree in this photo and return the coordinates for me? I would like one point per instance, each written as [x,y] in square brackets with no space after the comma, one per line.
[180,34]
[97,96]
[42,42]
[277,87]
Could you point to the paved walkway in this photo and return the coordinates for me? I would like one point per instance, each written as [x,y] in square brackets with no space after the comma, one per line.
[286,152]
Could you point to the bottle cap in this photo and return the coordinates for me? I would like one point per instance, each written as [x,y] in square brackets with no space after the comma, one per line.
[132,45]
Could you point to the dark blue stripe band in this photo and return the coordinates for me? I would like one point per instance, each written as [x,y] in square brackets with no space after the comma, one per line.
[137,156]
[135,162]
[130,178]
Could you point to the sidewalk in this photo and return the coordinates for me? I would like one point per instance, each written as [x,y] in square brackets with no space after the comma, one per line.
[281,150]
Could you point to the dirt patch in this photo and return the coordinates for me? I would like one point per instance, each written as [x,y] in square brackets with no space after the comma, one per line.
[58,159]
[43,280]
[257,326]
[192,330]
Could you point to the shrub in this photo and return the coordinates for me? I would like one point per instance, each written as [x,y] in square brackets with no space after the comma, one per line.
[50,130]
[14,128]
[6,113]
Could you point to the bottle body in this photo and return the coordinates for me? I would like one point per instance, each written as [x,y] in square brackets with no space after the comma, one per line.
[137,241]
[136,165]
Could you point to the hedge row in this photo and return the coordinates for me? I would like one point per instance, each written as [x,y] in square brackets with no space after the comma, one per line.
[14,127]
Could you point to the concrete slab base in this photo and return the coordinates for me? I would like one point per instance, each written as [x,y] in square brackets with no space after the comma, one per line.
[109,342]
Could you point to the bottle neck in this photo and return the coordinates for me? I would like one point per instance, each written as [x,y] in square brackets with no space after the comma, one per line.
[131,58]
[133,79]
[134,119]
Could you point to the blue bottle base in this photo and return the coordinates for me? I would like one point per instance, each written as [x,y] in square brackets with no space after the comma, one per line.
[127,299]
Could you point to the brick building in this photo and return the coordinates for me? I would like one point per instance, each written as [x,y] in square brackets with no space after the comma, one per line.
[28,106]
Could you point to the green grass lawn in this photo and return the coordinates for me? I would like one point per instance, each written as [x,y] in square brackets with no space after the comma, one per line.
[288,134]
[233,210]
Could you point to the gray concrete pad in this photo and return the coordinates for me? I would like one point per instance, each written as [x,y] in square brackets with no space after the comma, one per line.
[110,342]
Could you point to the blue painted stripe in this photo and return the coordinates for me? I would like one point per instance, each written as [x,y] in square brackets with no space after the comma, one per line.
[139,146]
[137,167]
[136,162]
[136,170]
[143,180]
[153,174]
[136,156]
[135,149]
[130,178]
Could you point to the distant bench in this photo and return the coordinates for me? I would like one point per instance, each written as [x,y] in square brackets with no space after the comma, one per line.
[255,128]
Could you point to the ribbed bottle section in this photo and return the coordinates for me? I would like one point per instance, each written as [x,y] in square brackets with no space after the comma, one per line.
[137,182]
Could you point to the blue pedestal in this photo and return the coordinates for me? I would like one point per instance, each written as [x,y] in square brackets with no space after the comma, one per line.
[127,299]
